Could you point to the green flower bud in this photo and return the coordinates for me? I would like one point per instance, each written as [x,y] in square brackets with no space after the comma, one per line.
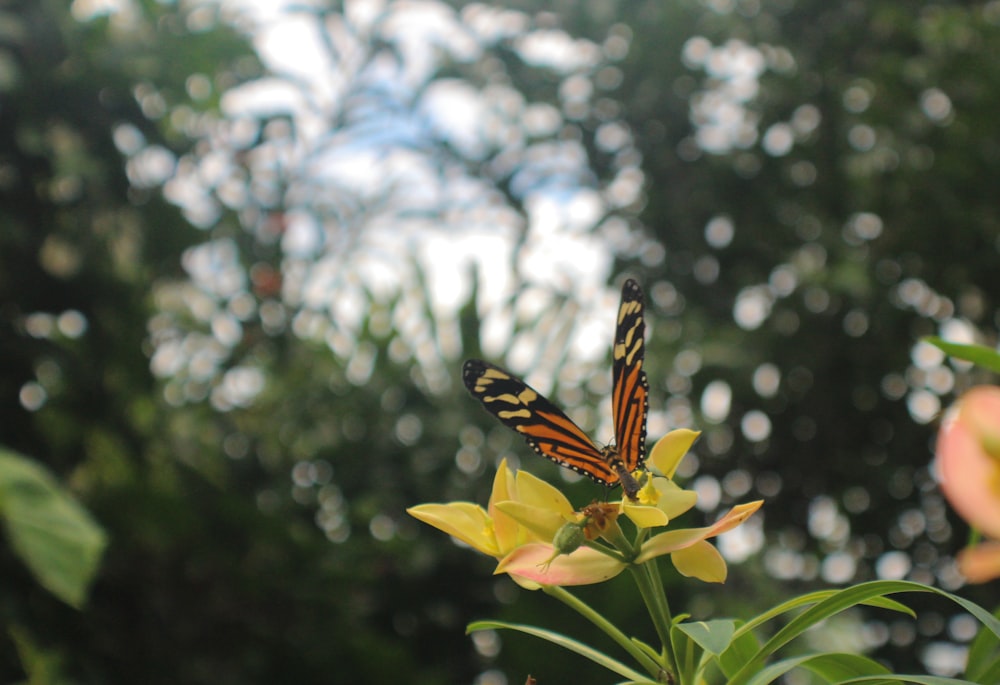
[568,538]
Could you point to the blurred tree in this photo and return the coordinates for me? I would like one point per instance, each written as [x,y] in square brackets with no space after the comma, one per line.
[827,203]
[429,182]
[207,578]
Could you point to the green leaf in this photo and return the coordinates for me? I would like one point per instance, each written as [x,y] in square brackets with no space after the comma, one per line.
[42,666]
[831,667]
[839,601]
[713,636]
[983,671]
[983,662]
[51,533]
[572,645]
[811,598]
[980,355]
[918,679]
[743,648]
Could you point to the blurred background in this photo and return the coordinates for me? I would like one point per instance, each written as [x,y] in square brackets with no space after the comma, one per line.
[245,246]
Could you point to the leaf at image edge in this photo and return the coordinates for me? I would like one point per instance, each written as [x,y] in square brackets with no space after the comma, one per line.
[986,357]
[50,532]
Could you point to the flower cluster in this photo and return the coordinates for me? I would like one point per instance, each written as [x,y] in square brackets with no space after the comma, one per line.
[539,539]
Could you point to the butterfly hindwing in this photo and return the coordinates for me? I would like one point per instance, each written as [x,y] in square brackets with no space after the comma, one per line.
[629,399]
[544,426]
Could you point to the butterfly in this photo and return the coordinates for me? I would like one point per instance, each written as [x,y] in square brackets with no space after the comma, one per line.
[554,435]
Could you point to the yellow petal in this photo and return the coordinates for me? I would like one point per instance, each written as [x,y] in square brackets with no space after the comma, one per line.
[673,499]
[670,449]
[702,561]
[506,530]
[669,542]
[536,492]
[673,540]
[644,515]
[463,520]
[535,562]
[541,523]
[735,516]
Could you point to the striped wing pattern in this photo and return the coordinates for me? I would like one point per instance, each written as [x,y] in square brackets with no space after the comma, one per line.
[630,394]
[546,428]
[553,434]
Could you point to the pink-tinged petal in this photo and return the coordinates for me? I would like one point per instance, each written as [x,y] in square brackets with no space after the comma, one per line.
[543,524]
[669,542]
[673,540]
[702,561]
[980,409]
[980,563]
[462,520]
[734,517]
[525,583]
[670,449]
[535,562]
[969,476]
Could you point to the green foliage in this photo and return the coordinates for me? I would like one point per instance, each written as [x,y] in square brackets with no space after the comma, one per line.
[986,357]
[983,663]
[49,530]
[43,667]
[726,651]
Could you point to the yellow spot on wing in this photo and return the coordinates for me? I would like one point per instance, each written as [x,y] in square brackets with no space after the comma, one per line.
[506,398]
[516,414]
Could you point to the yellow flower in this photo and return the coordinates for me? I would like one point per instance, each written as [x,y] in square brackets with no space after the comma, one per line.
[660,499]
[494,531]
[688,549]
[525,526]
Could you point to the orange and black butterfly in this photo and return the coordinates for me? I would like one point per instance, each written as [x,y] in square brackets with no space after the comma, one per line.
[552,434]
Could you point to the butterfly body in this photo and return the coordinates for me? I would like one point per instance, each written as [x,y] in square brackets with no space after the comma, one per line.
[552,434]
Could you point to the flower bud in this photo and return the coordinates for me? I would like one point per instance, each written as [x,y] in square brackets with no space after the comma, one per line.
[568,538]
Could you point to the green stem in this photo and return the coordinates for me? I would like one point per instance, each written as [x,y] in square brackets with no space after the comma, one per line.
[647,578]
[610,629]
[604,549]
[616,537]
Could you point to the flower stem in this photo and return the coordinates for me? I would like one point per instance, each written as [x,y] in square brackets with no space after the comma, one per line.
[647,578]
[610,629]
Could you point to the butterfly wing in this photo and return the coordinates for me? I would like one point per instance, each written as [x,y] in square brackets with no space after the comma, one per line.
[629,398]
[545,427]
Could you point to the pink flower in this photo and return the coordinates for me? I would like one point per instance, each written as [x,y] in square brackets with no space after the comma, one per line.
[968,468]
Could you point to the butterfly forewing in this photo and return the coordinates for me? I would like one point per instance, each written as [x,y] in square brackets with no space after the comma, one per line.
[552,434]
[544,426]
[629,399]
